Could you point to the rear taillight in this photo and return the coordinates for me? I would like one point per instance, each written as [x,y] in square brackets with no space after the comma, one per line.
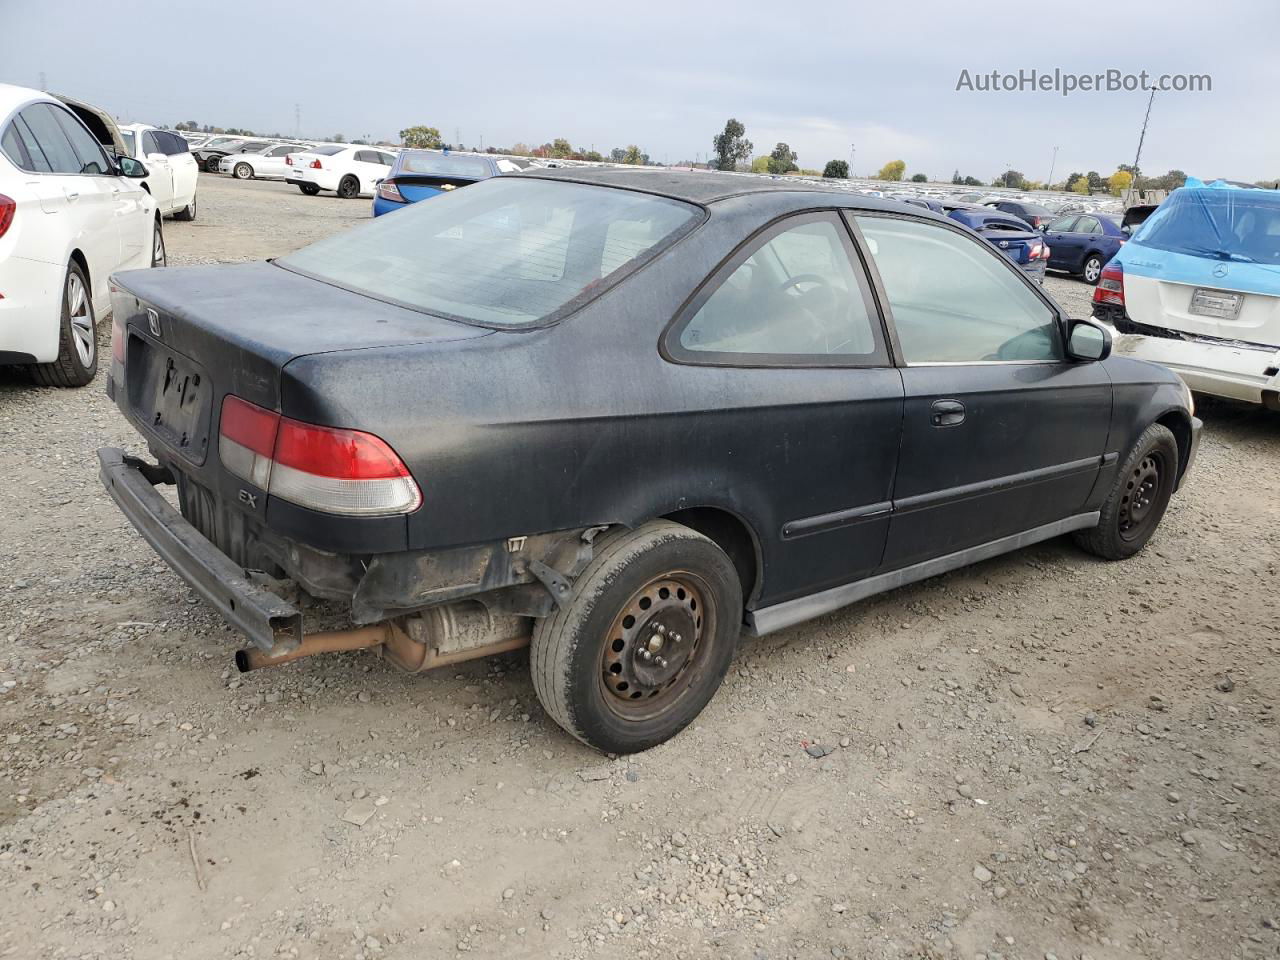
[1110,288]
[315,165]
[388,190]
[323,468]
[288,160]
[117,339]
[8,207]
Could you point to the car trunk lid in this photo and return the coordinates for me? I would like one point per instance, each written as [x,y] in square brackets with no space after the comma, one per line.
[419,186]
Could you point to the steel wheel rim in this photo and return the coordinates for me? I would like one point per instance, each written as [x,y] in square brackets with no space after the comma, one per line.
[347,189]
[656,646]
[242,172]
[1092,269]
[81,313]
[157,249]
[1144,487]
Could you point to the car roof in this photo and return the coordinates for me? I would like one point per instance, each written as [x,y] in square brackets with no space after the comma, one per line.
[704,187]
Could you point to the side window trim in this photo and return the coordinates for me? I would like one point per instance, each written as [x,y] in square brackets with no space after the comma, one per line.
[886,310]
[671,350]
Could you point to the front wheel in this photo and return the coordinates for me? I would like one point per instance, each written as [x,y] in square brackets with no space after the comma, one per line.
[310,189]
[1138,497]
[643,642]
[1092,269]
[159,256]
[349,188]
[242,171]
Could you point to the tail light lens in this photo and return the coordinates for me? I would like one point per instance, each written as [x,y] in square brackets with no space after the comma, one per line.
[117,339]
[288,160]
[1110,288]
[315,165]
[323,468]
[8,207]
[388,190]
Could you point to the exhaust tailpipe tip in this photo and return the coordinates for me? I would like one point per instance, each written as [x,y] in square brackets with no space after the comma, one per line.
[242,661]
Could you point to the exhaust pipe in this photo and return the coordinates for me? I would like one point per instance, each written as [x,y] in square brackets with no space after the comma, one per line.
[255,658]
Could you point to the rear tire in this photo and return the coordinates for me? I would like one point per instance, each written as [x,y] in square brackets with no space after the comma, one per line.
[242,171]
[159,253]
[349,187]
[1138,498]
[188,212]
[1092,269]
[310,189]
[77,361]
[644,640]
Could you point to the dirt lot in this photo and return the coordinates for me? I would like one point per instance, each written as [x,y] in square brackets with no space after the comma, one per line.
[1041,756]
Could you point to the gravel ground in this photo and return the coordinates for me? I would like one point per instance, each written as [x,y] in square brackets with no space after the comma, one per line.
[1041,756]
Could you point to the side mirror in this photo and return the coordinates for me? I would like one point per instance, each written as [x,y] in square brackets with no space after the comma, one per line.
[131,168]
[1087,340]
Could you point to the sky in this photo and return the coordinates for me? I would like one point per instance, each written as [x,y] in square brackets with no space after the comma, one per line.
[878,82]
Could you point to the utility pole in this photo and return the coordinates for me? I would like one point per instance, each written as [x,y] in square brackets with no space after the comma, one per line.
[44,84]
[297,119]
[457,138]
[852,150]
[1052,163]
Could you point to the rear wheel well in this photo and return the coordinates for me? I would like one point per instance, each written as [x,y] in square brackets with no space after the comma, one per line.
[79,258]
[731,535]
[1180,426]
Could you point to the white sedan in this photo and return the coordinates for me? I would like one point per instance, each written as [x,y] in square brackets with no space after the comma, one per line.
[172,171]
[71,213]
[265,163]
[348,170]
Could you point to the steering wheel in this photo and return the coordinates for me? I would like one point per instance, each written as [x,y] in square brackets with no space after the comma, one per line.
[800,278]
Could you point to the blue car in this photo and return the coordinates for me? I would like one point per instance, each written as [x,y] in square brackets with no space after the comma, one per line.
[422,174]
[1015,238]
[1083,243]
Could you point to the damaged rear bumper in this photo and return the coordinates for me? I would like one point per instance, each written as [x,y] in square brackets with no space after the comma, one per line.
[1236,371]
[260,615]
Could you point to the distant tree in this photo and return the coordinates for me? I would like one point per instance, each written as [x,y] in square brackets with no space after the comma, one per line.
[1170,181]
[359,142]
[592,155]
[618,155]
[1119,182]
[634,155]
[836,170]
[338,138]
[1081,186]
[893,170]
[421,138]
[1010,178]
[1095,181]
[782,160]
[560,149]
[730,147]
[919,178]
[760,164]
[1073,178]
[972,182]
[520,149]
[956,178]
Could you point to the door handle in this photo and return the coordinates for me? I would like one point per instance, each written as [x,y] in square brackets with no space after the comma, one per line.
[73,194]
[947,413]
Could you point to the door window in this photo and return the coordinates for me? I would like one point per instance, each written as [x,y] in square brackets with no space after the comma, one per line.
[795,299]
[384,158]
[1062,225]
[48,137]
[93,160]
[149,145]
[1088,225]
[954,299]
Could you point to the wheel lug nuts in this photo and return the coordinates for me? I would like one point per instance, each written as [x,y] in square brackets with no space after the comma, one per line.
[662,663]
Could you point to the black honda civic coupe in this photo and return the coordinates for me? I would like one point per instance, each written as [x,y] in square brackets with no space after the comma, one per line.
[620,417]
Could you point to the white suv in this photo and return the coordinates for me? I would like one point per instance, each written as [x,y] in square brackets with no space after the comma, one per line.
[172,171]
[70,214]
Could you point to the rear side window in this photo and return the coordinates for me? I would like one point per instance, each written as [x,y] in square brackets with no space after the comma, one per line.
[93,160]
[506,252]
[171,144]
[149,144]
[954,299]
[49,139]
[13,147]
[1088,225]
[326,151]
[797,297]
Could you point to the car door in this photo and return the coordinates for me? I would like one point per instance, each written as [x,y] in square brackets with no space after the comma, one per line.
[86,199]
[159,171]
[1061,244]
[182,167]
[1001,433]
[1088,236]
[791,313]
[271,163]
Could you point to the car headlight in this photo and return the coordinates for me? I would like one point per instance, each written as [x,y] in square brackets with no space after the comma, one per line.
[1191,400]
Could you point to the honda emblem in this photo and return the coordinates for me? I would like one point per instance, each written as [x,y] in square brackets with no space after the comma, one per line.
[153,322]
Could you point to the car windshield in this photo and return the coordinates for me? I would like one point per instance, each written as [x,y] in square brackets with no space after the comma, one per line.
[1237,225]
[506,252]
[444,165]
[126,137]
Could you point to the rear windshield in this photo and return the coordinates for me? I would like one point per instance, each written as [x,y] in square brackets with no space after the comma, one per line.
[326,151]
[445,165]
[1035,209]
[1239,225]
[126,137]
[506,252]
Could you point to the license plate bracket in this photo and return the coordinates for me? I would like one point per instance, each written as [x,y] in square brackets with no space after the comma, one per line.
[1219,304]
[171,395]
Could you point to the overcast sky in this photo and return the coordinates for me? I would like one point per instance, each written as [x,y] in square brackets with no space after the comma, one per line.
[666,75]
